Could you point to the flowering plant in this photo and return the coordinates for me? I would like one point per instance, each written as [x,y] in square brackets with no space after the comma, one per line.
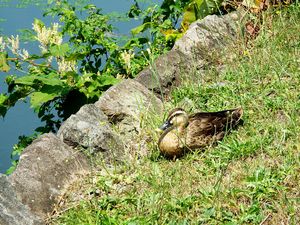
[79,58]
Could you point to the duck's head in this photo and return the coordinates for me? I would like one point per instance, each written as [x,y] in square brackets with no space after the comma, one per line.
[176,118]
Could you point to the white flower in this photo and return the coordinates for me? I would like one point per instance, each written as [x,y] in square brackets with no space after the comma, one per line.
[49,59]
[47,36]
[56,37]
[2,44]
[24,54]
[14,44]
[126,56]
[149,51]
[66,65]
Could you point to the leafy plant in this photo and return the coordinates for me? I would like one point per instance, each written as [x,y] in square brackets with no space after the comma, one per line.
[162,22]
[79,58]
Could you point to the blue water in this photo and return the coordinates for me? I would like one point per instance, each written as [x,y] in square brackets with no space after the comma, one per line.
[21,120]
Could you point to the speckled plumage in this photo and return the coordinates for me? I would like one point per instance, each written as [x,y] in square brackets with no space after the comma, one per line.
[183,133]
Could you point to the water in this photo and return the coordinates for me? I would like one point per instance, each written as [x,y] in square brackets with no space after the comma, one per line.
[21,120]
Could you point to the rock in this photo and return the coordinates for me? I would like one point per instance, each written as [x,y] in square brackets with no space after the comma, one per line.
[90,129]
[45,168]
[166,72]
[12,211]
[206,35]
[191,54]
[125,104]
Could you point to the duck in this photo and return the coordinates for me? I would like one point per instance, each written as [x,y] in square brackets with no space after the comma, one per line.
[182,132]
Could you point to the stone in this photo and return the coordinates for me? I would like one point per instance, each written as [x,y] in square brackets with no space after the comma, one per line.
[207,35]
[166,73]
[12,211]
[125,104]
[89,128]
[45,168]
[191,54]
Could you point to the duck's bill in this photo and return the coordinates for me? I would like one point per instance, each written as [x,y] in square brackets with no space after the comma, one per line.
[165,125]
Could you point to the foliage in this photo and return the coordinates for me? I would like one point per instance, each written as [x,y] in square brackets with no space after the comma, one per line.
[78,60]
[24,141]
[80,57]
[163,22]
[198,9]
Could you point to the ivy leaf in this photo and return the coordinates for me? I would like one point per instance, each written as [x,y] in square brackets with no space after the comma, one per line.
[59,50]
[3,62]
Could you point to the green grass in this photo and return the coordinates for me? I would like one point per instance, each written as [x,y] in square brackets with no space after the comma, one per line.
[250,177]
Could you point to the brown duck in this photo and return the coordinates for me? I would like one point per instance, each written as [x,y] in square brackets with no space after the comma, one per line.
[183,132]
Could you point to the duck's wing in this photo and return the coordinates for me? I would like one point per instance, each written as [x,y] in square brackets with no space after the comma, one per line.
[213,123]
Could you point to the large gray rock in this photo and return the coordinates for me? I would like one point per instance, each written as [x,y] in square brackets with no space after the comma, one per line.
[190,55]
[125,103]
[166,72]
[45,168]
[207,35]
[90,129]
[12,211]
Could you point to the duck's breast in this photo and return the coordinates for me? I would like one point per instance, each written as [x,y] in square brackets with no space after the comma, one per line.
[170,145]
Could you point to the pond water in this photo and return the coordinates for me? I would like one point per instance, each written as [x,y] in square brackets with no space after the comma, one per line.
[21,120]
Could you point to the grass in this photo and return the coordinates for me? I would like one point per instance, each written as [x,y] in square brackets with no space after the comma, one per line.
[250,177]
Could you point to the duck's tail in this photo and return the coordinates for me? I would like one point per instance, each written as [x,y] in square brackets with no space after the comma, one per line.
[237,115]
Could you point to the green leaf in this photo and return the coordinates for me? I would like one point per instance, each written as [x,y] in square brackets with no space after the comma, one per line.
[39,98]
[3,62]
[2,98]
[12,167]
[38,22]
[198,9]
[47,93]
[141,28]
[27,35]
[107,80]
[34,56]
[59,50]
[27,80]
[3,107]
[33,79]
